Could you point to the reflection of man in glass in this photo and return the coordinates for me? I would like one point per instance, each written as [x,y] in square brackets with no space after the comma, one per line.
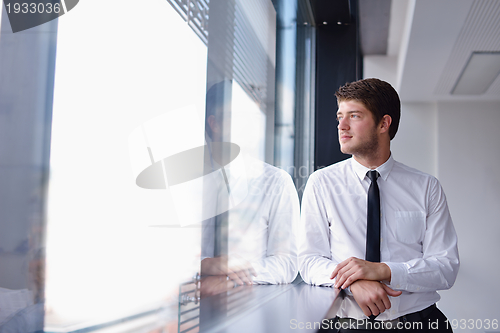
[260,230]
[375,227]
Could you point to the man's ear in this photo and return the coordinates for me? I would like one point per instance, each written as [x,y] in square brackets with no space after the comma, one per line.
[385,123]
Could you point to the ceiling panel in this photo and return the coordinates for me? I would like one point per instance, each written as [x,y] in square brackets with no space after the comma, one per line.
[481,33]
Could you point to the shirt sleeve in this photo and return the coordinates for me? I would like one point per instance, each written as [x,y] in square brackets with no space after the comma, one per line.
[280,262]
[315,259]
[438,267]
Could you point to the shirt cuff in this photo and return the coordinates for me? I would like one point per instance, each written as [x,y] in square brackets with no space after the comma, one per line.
[320,276]
[399,275]
[324,280]
[348,291]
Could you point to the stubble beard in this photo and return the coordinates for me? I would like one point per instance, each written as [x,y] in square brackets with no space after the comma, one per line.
[365,148]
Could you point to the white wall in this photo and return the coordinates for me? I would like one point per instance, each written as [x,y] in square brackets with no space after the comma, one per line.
[468,168]
[459,143]
[415,141]
[381,67]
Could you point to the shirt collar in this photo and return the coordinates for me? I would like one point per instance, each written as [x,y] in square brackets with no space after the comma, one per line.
[383,169]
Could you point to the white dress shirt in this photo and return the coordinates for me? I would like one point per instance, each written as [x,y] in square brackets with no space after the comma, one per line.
[262,227]
[418,241]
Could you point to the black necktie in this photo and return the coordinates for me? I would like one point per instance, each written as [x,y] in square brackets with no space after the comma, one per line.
[373,223]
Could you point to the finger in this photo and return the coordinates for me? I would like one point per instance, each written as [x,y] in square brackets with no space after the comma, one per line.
[387,302]
[341,274]
[366,310]
[390,291]
[230,285]
[380,306]
[338,267]
[373,309]
[233,276]
[342,278]
[351,279]
[249,273]
[343,266]
[249,270]
[244,277]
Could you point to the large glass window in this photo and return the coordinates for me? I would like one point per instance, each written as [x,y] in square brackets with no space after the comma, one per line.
[131,85]
[115,249]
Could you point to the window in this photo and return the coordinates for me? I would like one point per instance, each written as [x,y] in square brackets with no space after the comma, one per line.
[116,250]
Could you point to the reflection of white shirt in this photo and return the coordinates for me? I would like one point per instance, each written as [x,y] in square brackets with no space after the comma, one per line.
[261,228]
[418,241]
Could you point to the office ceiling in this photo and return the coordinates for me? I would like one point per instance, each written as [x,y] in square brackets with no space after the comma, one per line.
[439,39]
[431,42]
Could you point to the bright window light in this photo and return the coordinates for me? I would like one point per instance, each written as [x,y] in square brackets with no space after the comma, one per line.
[119,64]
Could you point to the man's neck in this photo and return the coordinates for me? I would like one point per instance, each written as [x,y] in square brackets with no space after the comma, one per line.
[373,161]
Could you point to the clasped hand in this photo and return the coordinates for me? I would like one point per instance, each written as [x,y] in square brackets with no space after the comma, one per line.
[236,269]
[353,269]
[372,296]
[364,278]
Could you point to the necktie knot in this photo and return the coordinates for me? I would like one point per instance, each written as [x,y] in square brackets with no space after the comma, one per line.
[373,175]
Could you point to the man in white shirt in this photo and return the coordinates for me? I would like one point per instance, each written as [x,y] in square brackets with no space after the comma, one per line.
[418,243]
[260,230]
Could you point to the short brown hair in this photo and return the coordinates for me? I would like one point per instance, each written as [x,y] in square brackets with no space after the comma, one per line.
[377,96]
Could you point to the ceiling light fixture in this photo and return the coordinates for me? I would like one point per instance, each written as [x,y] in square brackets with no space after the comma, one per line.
[479,73]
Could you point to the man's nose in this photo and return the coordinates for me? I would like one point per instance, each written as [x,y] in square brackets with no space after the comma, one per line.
[343,124]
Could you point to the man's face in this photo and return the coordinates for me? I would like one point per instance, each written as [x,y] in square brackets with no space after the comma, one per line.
[357,129]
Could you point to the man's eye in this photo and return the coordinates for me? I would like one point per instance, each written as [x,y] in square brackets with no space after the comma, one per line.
[354,116]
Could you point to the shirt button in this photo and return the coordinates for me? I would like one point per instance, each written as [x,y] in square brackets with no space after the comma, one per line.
[398,286]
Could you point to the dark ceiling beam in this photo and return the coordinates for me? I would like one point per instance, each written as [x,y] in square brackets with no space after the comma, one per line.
[329,12]
[374,19]
[338,60]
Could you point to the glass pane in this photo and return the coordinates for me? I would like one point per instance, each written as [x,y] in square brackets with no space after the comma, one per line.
[116,249]
[248,124]
[26,60]
[252,241]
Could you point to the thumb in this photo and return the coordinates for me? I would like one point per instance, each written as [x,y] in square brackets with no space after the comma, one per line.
[391,292]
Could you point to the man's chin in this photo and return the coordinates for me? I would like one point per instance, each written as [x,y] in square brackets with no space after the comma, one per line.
[344,150]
